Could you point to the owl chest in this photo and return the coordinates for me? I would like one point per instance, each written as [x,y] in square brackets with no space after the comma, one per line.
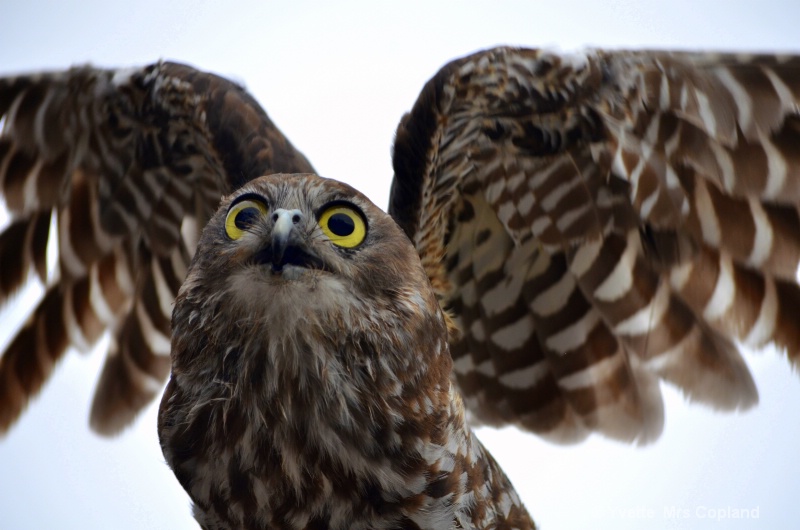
[266,483]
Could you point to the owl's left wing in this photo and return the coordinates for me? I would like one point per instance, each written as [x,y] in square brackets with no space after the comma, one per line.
[119,159]
[597,222]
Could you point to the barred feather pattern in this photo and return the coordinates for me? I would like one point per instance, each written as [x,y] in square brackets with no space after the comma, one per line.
[331,406]
[124,161]
[600,221]
[592,224]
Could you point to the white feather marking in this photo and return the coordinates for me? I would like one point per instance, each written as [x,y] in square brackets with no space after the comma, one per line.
[539,226]
[762,240]
[680,275]
[644,151]
[574,335]
[684,97]
[97,299]
[463,365]
[618,164]
[709,224]
[577,60]
[68,257]
[706,114]
[158,343]
[122,76]
[506,211]
[724,291]
[524,378]
[486,368]
[71,324]
[513,336]
[526,203]
[585,256]
[543,175]
[495,190]
[469,293]
[685,207]
[619,282]
[672,356]
[671,178]
[777,169]
[502,295]
[788,103]
[647,317]
[744,103]
[505,504]
[178,264]
[486,260]
[39,120]
[11,113]
[515,181]
[649,203]
[30,195]
[725,163]
[764,327]
[165,296]
[123,275]
[569,218]
[477,330]
[673,142]
[663,97]
[550,202]
[592,374]
[101,237]
[554,298]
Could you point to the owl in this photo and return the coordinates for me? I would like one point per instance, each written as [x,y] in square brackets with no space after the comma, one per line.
[591,225]
[310,382]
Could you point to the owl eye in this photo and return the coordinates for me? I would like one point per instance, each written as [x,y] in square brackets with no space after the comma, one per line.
[242,215]
[344,225]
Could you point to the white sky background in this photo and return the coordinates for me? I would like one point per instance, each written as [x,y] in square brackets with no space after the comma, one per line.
[336,80]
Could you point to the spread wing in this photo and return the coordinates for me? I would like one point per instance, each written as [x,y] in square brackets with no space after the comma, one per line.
[119,168]
[592,223]
[599,222]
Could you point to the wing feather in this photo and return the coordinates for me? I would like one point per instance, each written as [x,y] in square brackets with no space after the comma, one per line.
[656,195]
[593,223]
[128,161]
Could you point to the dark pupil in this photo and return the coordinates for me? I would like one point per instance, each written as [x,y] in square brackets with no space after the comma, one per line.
[341,224]
[246,217]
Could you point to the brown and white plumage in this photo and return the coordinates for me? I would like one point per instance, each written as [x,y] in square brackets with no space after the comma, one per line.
[605,218]
[605,131]
[310,384]
[125,159]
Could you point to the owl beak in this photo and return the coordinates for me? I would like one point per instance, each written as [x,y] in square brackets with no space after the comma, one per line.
[283,231]
[288,247]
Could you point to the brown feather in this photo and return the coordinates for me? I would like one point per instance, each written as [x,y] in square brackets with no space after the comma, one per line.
[638,166]
[138,151]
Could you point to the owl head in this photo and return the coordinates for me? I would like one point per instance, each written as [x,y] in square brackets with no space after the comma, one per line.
[300,268]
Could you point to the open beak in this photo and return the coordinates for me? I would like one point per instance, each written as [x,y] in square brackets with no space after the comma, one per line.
[288,244]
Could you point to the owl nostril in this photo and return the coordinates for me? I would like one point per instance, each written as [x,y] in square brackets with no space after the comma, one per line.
[296,215]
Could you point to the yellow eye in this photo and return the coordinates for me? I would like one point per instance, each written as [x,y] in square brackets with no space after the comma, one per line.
[344,225]
[242,215]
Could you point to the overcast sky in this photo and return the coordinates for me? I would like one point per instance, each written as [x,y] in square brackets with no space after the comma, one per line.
[336,80]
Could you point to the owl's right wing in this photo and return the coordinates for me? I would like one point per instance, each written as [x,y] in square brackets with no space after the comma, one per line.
[595,223]
[121,168]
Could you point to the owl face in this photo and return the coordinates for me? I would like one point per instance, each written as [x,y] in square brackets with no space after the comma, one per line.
[280,234]
[302,232]
[292,250]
